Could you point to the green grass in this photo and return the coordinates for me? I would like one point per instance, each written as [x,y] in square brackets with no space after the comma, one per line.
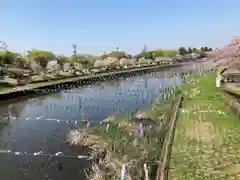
[122,144]
[235,91]
[206,144]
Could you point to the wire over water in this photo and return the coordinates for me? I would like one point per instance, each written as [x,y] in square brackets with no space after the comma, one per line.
[40,153]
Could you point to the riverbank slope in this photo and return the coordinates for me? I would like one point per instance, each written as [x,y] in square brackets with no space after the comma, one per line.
[134,141]
[207,135]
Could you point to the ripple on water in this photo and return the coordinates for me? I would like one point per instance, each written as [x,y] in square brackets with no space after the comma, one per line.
[93,102]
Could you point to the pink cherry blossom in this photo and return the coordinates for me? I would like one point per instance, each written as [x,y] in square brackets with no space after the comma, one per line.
[230,54]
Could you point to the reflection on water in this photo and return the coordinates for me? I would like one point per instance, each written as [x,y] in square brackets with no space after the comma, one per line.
[95,102]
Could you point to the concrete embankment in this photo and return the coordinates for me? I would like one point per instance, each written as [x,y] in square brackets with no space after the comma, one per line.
[40,88]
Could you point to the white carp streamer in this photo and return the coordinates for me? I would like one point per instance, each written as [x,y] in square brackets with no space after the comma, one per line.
[40,153]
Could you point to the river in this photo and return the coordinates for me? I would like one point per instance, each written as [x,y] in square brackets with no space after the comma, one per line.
[23,133]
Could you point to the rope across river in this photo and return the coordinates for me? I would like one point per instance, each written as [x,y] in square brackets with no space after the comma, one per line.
[41,153]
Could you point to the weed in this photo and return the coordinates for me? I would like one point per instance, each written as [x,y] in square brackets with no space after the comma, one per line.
[122,143]
[206,143]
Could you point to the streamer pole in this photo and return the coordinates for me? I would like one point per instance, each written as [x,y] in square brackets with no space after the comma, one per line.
[123,172]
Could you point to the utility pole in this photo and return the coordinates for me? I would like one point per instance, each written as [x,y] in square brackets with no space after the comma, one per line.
[74,46]
[27,53]
[117,48]
[29,58]
[3,45]
[144,50]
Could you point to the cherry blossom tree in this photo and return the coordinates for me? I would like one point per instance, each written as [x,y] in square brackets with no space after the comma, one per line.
[98,64]
[230,54]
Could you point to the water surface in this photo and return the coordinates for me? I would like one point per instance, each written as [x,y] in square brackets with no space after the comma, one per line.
[93,102]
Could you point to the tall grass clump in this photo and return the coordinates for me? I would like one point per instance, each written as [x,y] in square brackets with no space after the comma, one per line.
[118,141]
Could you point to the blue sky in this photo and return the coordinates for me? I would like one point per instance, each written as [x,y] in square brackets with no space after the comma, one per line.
[100,26]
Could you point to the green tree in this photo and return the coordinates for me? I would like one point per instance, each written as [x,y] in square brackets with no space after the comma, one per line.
[78,58]
[92,60]
[85,62]
[182,51]
[115,54]
[206,49]
[62,59]
[141,55]
[47,54]
[8,57]
[20,61]
[170,53]
[190,51]
[41,60]
[149,55]
[197,51]
[158,53]
[41,57]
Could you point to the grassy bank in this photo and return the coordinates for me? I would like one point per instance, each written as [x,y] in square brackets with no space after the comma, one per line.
[6,90]
[233,89]
[118,141]
[207,136]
